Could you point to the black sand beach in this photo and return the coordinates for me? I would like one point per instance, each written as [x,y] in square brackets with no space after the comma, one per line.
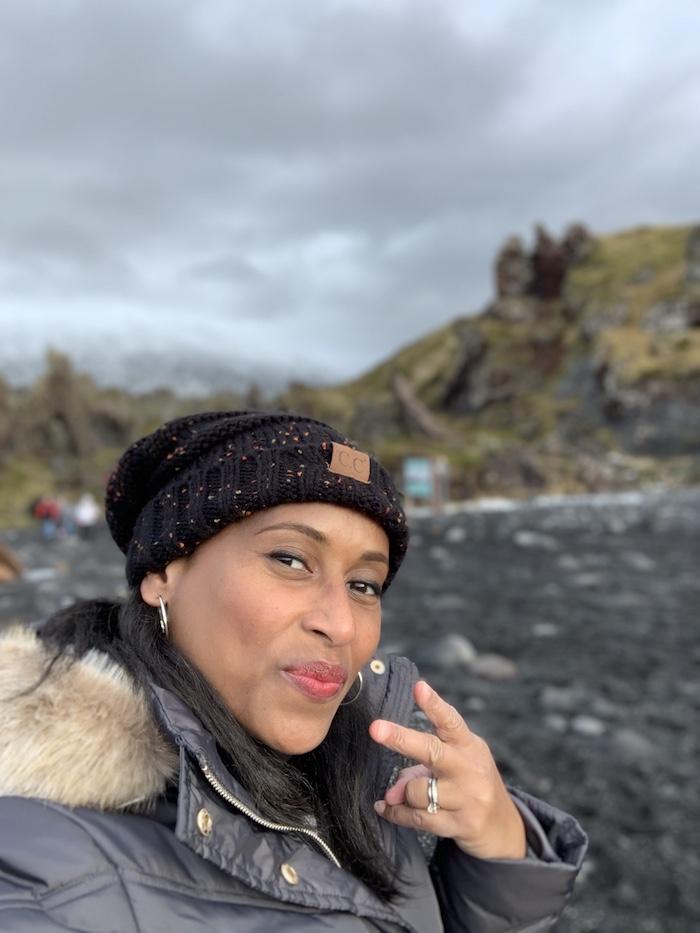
[593,698]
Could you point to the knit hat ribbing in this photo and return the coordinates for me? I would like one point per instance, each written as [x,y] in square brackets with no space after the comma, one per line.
[180,485]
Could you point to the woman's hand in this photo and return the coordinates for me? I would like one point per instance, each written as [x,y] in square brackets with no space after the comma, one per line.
[475,809]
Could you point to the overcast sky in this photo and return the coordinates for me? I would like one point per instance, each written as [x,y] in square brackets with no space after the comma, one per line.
[310,185]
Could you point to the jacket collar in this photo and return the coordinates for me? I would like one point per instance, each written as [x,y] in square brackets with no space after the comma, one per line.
[82,734]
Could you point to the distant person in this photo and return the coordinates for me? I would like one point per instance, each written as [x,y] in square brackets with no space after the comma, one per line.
[86,514]
[47,512]
[227,750]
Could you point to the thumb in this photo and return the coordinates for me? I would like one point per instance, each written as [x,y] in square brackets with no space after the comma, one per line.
[397,792]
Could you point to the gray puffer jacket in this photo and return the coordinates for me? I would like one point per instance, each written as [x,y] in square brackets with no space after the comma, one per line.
[90,839]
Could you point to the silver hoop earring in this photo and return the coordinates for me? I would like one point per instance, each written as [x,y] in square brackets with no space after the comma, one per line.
[162,616]
[347,702]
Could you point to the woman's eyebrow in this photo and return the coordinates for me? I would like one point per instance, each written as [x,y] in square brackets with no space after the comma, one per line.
[376,556]
[318,536]
[307,530]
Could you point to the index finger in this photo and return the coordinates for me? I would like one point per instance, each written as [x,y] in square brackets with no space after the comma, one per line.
[450,727]
[423,747]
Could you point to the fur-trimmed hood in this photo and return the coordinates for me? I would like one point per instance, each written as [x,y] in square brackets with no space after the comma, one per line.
[83,736]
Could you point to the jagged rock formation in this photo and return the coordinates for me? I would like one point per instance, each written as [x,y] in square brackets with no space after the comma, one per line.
[549,266]
[541,272]
[524,280]
[513,270]
[63,424]
[577,244]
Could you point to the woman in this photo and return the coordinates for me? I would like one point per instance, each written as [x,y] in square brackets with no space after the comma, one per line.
[226,751]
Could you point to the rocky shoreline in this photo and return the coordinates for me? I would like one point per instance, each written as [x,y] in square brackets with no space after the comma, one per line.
[567,633]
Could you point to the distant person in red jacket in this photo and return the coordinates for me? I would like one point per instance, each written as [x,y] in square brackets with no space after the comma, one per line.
[47,512]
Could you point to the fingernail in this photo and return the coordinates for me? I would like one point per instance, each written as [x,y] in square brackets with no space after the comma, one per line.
[379,806]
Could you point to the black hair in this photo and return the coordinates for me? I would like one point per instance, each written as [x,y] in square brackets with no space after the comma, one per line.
[334,782]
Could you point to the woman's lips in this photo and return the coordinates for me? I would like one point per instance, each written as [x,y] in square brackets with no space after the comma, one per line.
[317,680]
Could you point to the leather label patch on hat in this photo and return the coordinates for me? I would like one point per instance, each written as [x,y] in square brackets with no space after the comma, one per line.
[349,462]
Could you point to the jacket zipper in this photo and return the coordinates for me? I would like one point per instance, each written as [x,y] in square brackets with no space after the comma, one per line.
[239,805]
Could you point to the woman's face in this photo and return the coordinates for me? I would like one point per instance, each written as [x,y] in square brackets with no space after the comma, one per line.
[279,612]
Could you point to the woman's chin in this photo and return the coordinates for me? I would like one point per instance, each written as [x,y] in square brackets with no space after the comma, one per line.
[295,742]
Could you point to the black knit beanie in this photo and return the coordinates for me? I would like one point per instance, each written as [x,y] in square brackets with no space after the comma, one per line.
[179,486]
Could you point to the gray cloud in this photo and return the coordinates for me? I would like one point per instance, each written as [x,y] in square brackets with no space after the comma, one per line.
[328,180]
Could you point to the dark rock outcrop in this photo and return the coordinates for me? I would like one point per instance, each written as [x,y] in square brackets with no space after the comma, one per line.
[577,244]
[513,270]
[525,279]
[417,415]
[549,266]
[458,391]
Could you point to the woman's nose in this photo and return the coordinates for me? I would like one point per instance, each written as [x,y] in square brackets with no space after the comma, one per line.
[332,617]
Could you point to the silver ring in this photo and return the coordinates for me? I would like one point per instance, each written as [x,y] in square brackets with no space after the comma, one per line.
[433,805]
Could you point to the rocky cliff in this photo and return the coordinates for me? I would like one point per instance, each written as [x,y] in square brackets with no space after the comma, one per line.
[582,373]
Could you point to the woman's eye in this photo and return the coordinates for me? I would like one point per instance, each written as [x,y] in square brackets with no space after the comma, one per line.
[365,588]
[289,560]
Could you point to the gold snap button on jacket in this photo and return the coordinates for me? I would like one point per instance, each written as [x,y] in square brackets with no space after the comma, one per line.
[377,666]
[289,873]
[204,822]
